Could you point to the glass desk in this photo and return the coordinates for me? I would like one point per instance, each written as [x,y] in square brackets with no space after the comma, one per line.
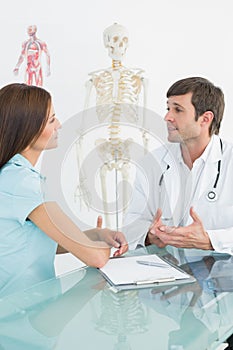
[79,311]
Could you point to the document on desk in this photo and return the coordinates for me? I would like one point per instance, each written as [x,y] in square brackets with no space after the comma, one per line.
[143,271]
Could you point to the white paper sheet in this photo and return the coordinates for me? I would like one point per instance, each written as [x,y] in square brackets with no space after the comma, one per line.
[126,270]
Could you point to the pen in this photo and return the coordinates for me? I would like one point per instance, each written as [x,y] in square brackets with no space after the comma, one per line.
[151,263]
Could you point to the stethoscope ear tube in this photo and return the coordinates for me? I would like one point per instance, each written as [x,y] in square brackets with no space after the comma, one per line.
[212,195]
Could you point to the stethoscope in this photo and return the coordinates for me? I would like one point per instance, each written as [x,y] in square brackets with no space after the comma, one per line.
[211,195]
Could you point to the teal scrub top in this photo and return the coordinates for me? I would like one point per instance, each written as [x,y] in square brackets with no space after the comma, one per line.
[26,253]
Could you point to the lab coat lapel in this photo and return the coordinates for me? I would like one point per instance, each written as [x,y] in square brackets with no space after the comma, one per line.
[172,181]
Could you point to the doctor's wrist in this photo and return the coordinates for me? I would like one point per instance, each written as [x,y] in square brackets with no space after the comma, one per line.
[206,244]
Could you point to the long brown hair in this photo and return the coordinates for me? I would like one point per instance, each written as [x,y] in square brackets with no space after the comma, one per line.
[23,116]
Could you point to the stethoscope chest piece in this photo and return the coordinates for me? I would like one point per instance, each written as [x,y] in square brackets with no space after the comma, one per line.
[212,196]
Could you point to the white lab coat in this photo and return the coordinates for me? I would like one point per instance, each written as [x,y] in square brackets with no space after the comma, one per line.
[148,196]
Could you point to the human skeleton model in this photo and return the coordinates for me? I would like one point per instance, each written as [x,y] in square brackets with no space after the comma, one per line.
[32,50]
[117,95]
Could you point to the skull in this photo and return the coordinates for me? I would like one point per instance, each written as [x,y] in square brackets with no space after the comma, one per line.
[116,40]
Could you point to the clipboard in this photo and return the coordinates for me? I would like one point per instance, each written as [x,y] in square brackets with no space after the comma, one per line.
[143,271]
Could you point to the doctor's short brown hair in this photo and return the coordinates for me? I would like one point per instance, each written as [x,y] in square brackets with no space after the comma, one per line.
[205,97]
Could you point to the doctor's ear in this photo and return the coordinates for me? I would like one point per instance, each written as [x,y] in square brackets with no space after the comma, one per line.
[207,118]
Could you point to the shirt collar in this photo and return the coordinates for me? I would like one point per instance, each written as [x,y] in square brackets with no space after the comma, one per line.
[18,159]
[205,154]
[211,153]
[216,149]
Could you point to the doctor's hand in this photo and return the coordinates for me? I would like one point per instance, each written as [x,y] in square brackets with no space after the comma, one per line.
[191,236]
[151,237]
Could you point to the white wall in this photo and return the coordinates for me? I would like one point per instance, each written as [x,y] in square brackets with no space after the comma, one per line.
[170,39]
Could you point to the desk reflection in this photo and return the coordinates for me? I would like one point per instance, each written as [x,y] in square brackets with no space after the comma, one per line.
[202,307]
[34,319]
[79,311]
[122,314]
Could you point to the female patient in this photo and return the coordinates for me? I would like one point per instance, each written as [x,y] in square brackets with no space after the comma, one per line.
[30,228]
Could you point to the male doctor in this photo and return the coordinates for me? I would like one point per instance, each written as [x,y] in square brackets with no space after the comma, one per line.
[183,193]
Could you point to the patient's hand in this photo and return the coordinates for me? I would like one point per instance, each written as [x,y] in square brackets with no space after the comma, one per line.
[115,239]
